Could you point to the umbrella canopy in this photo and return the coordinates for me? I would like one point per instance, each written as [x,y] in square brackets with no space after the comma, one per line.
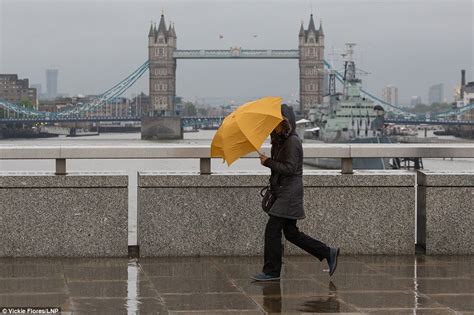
[245,130]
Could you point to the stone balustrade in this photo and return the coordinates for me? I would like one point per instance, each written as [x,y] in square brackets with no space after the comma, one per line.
[446,212]
[364,212]
[346,152]
[77,215]
[184,214]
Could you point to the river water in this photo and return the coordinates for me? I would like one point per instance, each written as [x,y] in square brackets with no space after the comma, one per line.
[131,167]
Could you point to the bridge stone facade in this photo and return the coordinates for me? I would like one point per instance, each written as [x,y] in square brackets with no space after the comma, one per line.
[163,53]
[161,46]
[311,62]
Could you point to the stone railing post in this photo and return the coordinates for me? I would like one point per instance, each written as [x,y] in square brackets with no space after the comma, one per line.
[346,166]
[205,166]
[60,166]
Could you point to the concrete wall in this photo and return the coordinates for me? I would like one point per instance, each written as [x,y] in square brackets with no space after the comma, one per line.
[42,215]
[446,212]
[161,128]
[187,214]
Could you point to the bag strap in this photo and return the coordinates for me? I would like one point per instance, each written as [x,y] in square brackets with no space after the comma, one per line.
[264,190]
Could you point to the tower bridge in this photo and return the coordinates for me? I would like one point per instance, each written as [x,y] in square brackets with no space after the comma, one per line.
[162,63]
[163,55]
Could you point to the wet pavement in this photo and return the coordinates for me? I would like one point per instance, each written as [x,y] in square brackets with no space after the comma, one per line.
[221,285]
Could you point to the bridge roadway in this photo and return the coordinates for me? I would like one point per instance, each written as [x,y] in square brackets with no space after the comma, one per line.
[237,53]
[186,121]
[198,120]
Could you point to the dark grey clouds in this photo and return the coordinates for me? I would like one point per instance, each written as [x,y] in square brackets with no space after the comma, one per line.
[411,44]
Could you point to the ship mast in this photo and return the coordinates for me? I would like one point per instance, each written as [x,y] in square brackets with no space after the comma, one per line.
[332,76]
[350,71]
[349,68]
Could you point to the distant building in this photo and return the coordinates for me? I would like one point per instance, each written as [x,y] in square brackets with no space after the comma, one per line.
[468,98]
[51,83]
[436,94]
[38,88]
[115,107]
[47,106]
[178,105]
[415,100]
[140,104]
[64,102]
[468,91]
[390,94]
[15,91]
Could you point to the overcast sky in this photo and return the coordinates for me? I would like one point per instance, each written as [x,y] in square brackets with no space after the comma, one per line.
[411,44]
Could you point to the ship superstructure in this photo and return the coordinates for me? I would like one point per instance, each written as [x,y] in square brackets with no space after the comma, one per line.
[347,116]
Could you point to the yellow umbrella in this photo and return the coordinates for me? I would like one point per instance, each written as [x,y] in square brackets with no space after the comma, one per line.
[245,130]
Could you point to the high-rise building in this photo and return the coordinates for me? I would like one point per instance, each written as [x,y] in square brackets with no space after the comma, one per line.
[436,94]
[15,91]
[390,94]
[51,83]
[415,100]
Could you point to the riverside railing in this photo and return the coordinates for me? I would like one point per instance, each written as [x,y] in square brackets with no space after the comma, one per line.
[364,213]
[346,152]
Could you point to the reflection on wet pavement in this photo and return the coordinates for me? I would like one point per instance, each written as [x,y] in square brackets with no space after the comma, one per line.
[221,285]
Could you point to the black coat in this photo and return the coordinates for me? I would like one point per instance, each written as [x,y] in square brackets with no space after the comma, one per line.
[286,180]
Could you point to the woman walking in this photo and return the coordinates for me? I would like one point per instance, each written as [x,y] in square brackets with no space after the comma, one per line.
[286,183]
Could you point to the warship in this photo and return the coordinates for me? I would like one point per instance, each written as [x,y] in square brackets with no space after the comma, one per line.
[348,117]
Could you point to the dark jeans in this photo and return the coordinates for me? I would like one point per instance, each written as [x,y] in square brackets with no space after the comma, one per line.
[273,248]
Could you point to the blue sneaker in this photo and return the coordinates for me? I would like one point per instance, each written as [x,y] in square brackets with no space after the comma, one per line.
[332,260]
[264,277]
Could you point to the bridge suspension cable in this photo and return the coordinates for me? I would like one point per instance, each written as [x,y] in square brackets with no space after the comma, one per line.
[19,109]
[122,86]
[115,91]
[456,111]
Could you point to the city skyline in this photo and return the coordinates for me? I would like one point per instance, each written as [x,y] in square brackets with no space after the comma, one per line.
[120,44]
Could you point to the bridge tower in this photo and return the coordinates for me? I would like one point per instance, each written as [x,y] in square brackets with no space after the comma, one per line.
[161,45]
[311,50]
